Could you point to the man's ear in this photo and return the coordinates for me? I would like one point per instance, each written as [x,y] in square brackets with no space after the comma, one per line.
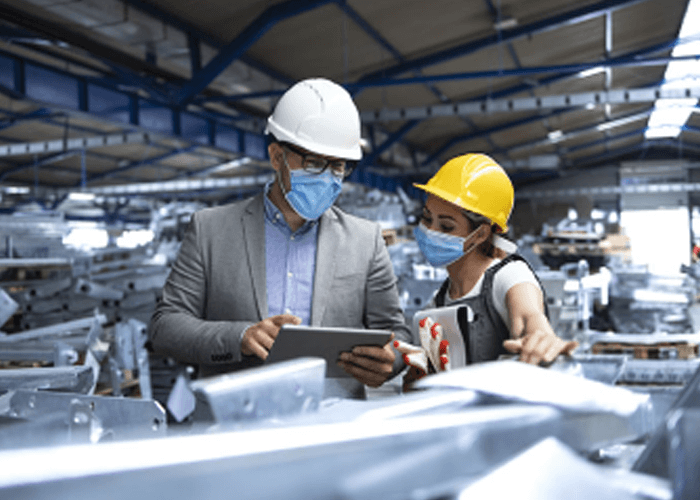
[275,152]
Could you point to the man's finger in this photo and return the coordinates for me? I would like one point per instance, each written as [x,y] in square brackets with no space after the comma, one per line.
[371,364]
[266,339]
[257,349]
[367,377]
[378,353]
[284,319]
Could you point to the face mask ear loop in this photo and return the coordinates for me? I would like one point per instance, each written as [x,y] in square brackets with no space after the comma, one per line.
[469,237]
[280,181]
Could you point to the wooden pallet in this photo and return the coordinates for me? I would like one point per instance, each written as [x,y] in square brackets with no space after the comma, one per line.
[660,350]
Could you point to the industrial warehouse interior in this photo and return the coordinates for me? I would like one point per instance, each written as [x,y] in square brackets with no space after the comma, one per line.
[124,124]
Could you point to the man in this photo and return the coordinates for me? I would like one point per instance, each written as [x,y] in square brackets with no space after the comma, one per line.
[286,256]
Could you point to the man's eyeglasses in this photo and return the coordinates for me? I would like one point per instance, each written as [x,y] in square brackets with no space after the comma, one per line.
[315,164]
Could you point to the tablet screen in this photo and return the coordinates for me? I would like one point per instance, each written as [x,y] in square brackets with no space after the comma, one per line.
[295,341]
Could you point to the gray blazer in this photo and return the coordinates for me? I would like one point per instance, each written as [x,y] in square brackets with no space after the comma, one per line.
[217,285]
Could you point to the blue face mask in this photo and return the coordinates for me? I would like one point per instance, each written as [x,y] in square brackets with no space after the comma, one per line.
[440,249]
[312,194]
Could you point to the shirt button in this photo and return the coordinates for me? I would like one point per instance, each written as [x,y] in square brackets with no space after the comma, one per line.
[289,275]
[291,237]
[288,311]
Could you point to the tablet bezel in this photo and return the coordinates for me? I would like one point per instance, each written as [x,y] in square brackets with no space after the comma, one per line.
[295,341]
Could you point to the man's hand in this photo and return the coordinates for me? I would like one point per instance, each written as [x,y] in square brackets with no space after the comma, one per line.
[371,365]
[538,343]
[258,338]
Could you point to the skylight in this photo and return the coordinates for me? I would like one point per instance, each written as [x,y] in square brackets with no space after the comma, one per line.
[670,115]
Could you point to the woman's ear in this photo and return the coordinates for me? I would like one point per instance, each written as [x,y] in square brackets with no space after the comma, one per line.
[483,233]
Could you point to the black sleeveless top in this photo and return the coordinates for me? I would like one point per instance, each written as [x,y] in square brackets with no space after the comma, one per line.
[484,335]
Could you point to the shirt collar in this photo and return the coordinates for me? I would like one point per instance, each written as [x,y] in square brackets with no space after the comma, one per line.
[274,215]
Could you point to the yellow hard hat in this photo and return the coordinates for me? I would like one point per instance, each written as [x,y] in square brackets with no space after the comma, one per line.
[476,183]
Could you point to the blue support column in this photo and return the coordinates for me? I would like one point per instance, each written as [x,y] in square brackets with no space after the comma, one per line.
[195,53]
[83,169]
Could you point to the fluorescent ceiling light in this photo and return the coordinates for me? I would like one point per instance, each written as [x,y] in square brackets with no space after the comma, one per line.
[620,121]
[231,165]
[16,189]
[506,23]
[77,196]
[591,71]
[670,115]
[555,135]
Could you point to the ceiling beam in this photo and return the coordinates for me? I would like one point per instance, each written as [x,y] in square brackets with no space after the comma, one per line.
[47,160]
[59,145]
[568,18]
[491,106]
[195,33]
[388,142]
[632,62]
[645,147]
[579,132]
[493,130]
[52,31]
[242,43]
[136,164]
[182,185]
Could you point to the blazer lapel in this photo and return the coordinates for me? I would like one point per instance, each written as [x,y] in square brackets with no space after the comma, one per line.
[326,251]
[253,222]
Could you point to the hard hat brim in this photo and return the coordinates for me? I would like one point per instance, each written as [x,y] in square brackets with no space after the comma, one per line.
[455,200]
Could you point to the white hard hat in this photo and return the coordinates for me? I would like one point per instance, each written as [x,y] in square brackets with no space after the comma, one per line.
[319,116]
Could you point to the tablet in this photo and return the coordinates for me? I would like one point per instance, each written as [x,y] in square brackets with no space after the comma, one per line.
[295,341]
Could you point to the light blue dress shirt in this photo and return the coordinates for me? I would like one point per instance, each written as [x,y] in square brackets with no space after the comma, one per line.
[290,262]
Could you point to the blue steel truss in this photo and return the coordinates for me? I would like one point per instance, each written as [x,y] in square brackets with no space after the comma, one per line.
[552,23]
[64,92]
[164,112]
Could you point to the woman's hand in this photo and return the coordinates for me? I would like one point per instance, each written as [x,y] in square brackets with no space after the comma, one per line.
[532,335]
[538,343]
[432,356]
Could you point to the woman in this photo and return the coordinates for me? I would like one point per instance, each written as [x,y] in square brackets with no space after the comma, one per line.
[469,202]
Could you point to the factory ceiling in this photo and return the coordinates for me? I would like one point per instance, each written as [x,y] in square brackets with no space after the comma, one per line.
[169,97]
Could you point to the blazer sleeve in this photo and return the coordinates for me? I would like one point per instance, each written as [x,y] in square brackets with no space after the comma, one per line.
[383,309]
[178,327]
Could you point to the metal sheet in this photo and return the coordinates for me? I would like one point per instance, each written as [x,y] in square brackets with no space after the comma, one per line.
[684,453]
[384,459]
[550,471]
[108,418]
[69,378]
[285,388]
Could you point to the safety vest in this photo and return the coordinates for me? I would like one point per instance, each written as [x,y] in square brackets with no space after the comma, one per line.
[484,335]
